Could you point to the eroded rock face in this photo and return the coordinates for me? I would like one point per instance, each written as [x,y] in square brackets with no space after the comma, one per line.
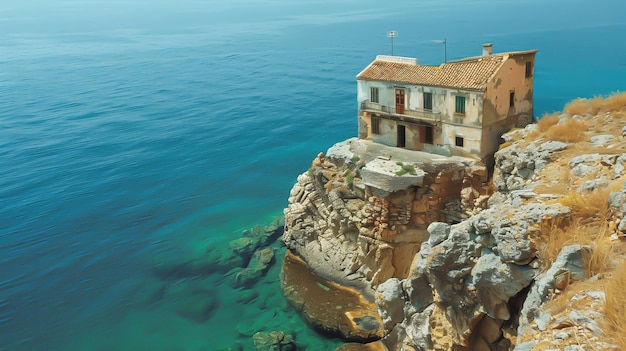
[352,232]
[470,276]
[449,264]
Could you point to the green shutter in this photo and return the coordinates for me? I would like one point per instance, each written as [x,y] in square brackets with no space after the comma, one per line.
[460,105]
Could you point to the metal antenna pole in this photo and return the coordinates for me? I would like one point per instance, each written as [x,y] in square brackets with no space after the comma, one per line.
[445,48]
[392,35]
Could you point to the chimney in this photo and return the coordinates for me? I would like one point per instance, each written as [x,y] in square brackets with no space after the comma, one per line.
[487,49]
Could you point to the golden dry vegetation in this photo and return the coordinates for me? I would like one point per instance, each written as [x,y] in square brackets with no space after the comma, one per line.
[591,221]
[573,130]
[593,106]
[614,322]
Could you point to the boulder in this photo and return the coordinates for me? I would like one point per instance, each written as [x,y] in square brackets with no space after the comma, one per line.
[259,263]
[438,232]
[569,260]
[496,282]
[390,300]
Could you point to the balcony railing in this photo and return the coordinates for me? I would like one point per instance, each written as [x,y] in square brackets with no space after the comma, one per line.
[413,114]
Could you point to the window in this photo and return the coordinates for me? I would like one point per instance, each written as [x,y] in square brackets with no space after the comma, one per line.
[458,141]
[375,125]
[374,94]
[428,101]
[512,99]
[529,69]
[460,105]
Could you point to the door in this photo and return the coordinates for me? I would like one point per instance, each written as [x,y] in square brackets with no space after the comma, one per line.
[401,136]
[400,101]
[429,135]
[426,134]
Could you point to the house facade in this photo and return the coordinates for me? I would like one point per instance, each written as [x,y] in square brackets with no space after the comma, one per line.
[461,107]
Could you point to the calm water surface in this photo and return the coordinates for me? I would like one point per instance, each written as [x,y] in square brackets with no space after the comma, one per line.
[133,133]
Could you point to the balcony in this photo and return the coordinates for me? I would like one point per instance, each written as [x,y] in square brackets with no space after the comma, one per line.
[408,115]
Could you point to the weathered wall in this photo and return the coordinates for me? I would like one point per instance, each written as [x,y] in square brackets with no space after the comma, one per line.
[510,78]
[499,116]
[452,125]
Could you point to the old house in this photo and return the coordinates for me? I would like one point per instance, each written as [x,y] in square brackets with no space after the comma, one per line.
[461,107]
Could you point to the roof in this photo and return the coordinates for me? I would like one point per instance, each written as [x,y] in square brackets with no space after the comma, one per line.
[472,73]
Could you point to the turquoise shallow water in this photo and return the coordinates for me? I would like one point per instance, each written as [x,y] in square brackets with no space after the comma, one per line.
[136,132]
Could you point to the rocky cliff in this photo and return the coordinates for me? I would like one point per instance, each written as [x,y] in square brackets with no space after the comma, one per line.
[457,260]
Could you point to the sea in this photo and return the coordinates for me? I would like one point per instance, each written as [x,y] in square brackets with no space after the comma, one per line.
[136,134]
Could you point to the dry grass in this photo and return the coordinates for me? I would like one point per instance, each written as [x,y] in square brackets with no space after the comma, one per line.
[558,303]
[598,260]
[571,131]
[577,107]
[590,215]
[593,207]
[560,188]
[549,127]
[615,102]
[614,322]
[595,104]
[546,121]
[555,237]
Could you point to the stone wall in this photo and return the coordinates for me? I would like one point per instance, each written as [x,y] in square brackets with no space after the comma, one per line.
[348,234]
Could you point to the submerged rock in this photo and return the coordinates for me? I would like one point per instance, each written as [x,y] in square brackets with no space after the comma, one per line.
[274,341]
[330,308]
[260,262]
[197,309]
[353,346]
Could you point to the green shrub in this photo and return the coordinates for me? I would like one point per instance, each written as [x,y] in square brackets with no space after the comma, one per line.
[404,169]
[350,180]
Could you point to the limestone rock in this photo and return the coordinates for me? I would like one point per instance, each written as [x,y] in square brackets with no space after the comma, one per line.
[496,282]
[438,233]
[390,300]
[274,341]
[601,139]
[514,165]
[570,260]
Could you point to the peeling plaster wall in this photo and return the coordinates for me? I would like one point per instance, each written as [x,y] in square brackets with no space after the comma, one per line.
[473,106]
[444,101]
[498,115]
[511,77]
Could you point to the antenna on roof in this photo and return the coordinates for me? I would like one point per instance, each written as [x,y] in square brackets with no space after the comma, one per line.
[445,48]
[392,35]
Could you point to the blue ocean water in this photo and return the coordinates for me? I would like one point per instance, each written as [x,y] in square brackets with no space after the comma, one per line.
[133,132]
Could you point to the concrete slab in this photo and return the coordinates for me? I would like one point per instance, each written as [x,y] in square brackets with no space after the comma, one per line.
[367,150]
[383,164]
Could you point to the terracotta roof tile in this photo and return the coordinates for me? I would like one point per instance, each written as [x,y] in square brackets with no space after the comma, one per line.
[466,74]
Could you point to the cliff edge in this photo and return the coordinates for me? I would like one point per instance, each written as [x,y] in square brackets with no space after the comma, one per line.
[456,260]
